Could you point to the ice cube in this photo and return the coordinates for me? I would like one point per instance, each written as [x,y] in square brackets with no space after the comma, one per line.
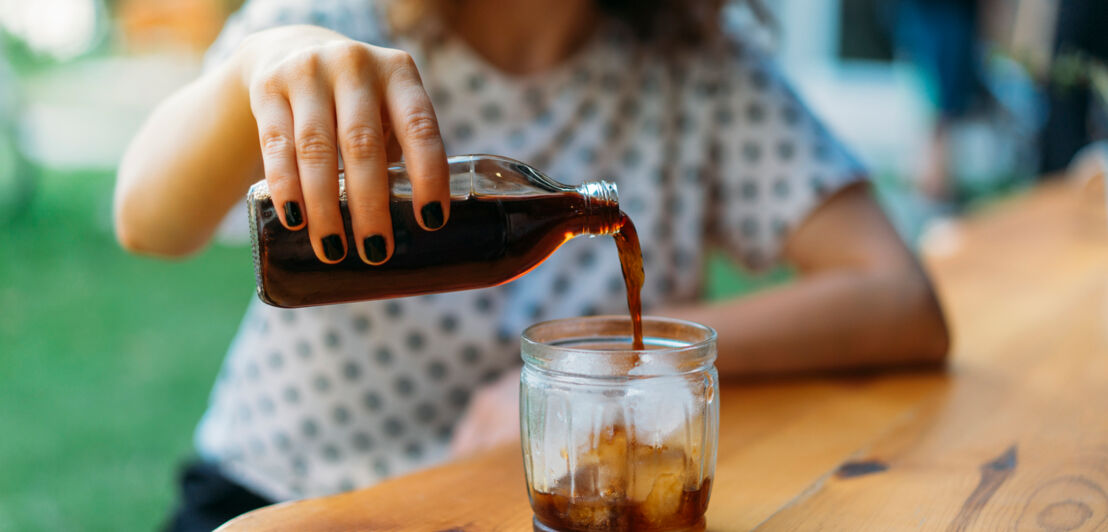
[659,409]
[664,501]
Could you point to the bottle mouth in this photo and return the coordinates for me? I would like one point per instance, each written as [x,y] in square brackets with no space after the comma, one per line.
[602,206]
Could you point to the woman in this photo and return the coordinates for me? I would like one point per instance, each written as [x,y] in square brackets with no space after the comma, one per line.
[707,144]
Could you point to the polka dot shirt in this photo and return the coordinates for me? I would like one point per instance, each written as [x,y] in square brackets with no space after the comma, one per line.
[709,148]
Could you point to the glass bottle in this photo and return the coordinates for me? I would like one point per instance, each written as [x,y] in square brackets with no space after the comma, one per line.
[505,218]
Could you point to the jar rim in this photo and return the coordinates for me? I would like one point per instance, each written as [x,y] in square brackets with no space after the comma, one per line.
[674,347]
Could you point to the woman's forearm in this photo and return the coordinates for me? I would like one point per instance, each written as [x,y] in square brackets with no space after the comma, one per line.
[193,158]
[829,321]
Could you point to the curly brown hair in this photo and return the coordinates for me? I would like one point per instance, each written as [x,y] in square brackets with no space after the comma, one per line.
[669,21]
[661,21]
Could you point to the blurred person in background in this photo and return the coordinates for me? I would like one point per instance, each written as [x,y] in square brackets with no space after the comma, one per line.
[709,147]
[941,37]
[1080,37]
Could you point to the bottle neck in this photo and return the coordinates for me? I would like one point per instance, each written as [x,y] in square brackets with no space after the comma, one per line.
[602,214]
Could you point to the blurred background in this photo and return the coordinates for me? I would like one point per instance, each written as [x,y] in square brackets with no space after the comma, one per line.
[106,359]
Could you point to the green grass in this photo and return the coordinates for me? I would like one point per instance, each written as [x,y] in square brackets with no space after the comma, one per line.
[106,360]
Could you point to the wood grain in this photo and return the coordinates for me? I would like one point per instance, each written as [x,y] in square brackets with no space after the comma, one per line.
[1018,441]
[1012,436]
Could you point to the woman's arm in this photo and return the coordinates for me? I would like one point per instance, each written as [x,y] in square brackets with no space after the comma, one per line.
[862,301]
[192,159]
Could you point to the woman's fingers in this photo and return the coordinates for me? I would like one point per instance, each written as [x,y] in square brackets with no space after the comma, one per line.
[313,112]
[275,135]
[465,436]
[362,143]
[331,99]
[417,130]
[491,419]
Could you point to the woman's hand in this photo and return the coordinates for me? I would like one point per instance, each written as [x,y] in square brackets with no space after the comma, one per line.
[492,418]
[315,94]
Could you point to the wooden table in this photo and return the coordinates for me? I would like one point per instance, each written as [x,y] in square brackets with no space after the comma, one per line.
[1012,436]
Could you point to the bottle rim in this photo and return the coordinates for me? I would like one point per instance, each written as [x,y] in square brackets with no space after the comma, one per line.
[602,205]
[674,347]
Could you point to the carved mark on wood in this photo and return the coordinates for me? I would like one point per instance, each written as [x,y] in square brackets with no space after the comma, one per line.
[993,474]
[857,469]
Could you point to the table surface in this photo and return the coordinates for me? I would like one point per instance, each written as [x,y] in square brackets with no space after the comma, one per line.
[1012,435]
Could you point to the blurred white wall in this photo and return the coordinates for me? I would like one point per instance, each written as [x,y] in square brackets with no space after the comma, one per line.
[81,115]
[878,109]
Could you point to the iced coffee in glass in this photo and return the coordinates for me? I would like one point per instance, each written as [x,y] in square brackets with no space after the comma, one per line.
[616,438]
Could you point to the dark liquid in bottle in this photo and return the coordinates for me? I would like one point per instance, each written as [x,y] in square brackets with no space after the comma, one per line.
[489,240]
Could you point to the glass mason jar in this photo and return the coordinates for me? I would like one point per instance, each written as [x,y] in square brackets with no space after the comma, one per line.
[614,438]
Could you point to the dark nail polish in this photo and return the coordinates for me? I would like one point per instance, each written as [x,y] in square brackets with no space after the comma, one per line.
[292,214]
[375,248]
[332,247]
[432,215]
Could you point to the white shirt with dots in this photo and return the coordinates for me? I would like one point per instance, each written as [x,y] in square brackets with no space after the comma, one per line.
[709,148]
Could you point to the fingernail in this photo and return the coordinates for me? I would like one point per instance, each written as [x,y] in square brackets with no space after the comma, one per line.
[332,247]
[375,248]
[292,214]
[432,215]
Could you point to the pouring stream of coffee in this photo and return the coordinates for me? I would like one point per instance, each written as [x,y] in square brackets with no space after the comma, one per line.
[630,260]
